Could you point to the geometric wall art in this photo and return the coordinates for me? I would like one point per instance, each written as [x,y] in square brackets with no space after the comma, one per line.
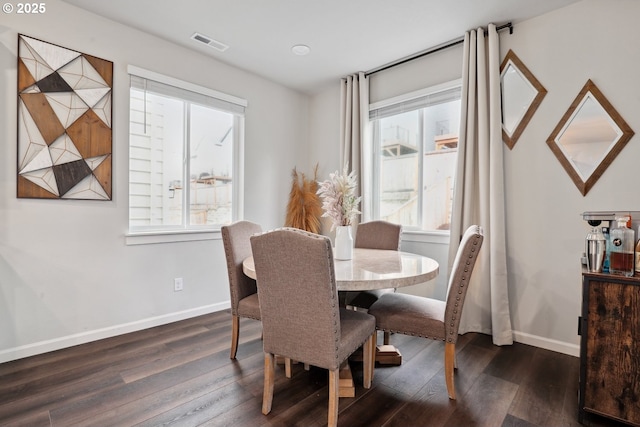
[64,123]
[521,95]
[589,137]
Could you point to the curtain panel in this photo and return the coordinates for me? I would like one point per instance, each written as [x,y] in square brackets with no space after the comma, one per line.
[479,188]
[354,125]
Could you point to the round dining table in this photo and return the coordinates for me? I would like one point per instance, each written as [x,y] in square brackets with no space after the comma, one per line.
[375,269]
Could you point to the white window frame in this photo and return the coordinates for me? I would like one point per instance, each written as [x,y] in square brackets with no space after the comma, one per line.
[413,234]
[185,232]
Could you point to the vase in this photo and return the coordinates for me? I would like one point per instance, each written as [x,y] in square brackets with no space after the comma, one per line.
[344,242]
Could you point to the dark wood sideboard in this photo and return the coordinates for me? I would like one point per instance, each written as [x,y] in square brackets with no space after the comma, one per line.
[610,348]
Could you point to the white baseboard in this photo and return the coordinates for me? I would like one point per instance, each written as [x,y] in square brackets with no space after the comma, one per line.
[547,343]
[112,331]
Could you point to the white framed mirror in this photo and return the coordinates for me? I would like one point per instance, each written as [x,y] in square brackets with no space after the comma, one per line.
[589,137]
[521,96]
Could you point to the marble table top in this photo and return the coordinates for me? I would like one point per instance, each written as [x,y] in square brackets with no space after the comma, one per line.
[375,269]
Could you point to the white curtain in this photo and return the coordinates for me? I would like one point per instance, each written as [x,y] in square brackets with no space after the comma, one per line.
[479,188]
[354,123]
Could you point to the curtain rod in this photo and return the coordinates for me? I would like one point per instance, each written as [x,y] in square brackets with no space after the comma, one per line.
[429,51]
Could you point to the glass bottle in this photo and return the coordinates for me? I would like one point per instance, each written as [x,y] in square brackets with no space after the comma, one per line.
[638,252]
[607,249]
[622,260]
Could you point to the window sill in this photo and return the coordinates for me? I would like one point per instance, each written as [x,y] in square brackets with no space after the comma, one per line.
[174,236]
[437,237]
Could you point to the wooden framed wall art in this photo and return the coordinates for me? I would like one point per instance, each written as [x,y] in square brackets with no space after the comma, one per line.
[521,95]
[64,123]
[589,137]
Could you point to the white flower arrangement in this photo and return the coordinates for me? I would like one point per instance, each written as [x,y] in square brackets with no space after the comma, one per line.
[338,198]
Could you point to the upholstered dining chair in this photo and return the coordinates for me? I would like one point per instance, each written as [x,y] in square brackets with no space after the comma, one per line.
[378,235]
[294,268]
[244,297]
[374,235]
[431,318]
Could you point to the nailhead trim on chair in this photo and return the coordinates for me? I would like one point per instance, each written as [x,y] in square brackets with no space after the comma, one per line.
[226,245]
[463,280]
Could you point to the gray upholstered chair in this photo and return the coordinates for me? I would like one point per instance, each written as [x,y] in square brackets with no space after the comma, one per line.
[378,235]
[301,316]
[431,318]
[244,297]
[374,235]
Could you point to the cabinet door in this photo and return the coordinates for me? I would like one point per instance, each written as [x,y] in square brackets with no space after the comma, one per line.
[612,383]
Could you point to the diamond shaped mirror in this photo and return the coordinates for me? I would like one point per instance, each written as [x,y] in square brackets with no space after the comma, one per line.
[589,137]
[521,95]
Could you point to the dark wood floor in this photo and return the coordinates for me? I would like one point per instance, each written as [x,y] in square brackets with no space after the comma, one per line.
[181,374]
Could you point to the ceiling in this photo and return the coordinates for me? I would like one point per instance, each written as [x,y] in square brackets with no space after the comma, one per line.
[344,36]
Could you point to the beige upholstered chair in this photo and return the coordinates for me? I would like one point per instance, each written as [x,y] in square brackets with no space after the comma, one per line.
[430,318]
[301,317]
[378,235]
[374,235]
[244,297]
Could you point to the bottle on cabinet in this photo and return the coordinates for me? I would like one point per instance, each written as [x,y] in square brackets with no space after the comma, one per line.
[621,258]
[638,252]
[607,240]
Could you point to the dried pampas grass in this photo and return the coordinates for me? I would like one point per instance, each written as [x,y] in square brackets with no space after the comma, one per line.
[305,207]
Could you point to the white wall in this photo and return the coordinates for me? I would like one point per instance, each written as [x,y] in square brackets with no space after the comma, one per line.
[593,39]
[66,274]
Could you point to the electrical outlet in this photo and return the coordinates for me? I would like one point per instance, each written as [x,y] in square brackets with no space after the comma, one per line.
[178,285]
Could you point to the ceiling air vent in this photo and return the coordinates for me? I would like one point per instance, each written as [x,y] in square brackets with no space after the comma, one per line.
[209,42]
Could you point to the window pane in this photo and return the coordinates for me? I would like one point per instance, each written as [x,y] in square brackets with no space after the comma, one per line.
[441,124]
[211,166]
[155,166]
[185,144]
[399,179]
[415,149]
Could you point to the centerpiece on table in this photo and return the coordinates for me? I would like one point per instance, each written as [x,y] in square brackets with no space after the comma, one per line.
[340,204]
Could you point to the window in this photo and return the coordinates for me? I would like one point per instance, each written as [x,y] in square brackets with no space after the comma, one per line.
[184,145]
[414,140]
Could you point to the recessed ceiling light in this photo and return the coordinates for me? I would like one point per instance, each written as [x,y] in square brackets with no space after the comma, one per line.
[300,50]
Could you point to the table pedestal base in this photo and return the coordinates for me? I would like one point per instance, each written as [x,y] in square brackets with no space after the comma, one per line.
[385,355]
[388,355]
[346,386]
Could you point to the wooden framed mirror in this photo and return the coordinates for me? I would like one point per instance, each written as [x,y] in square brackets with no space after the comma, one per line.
[521,96]
[589,137]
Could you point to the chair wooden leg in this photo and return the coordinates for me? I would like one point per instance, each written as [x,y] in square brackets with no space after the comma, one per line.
[235,332]
[287,367]
[369,360]
[449,363]
[334,387]
[269,382]
[374,349]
